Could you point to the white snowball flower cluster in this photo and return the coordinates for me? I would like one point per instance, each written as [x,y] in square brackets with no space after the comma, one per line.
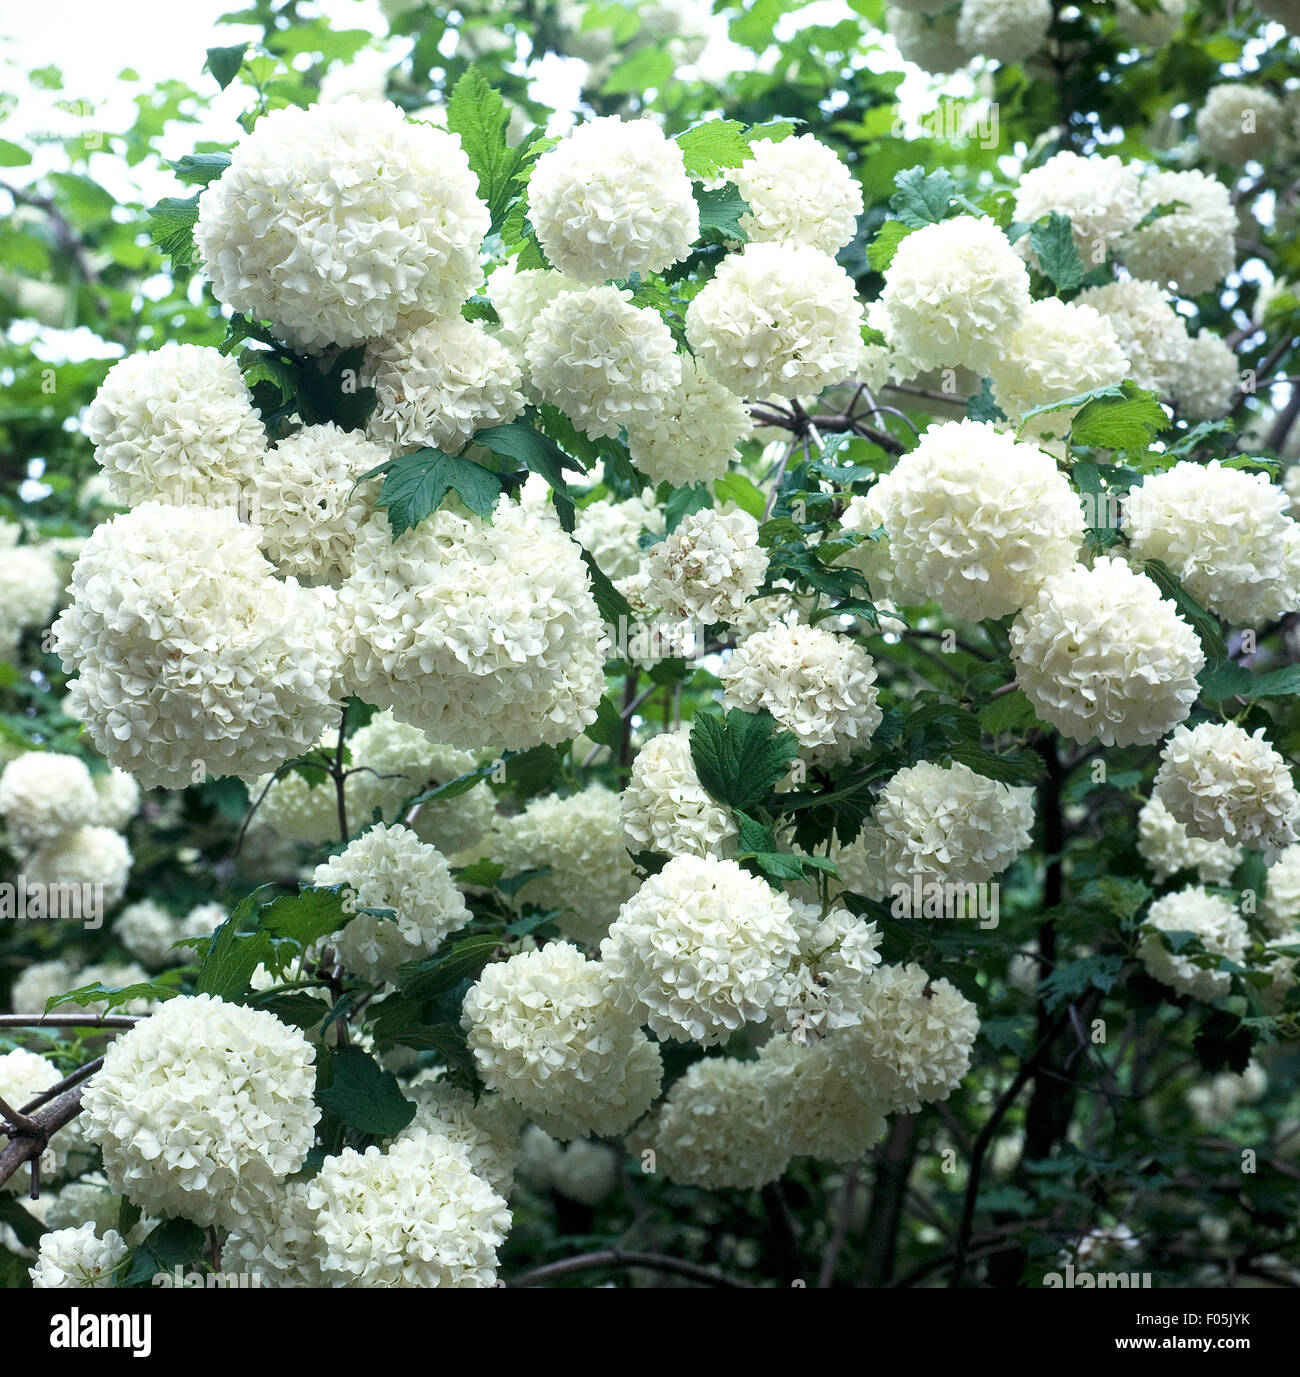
[776,320]
[391,868]
[611,532]
[488,1129]
[798,192]
[30,584]
[189,652]
[43,794]
[1166,846]
[820,686]
[306,503]
[584,1170]
[118,797]
[202,1107]
[1205,388]
[605,363]
[1058,350]
[147,931]
[1152,335]
[1280,905]
[484,634]
[85,856]
[276,1240]
[1217,1100]
[613,199]
[176,425]
[720,1127]
[1150,28]
[701,948]
[1004,30]
[414,1216]
[694,438]
[1193,246]
[928,40]
[90,1200]
[1226,534]
[1223,784]
[1099,196]
[77,1258]
[1220,928]
[547,1034]
[666,809]
[518,295]
[829,1107]
[23,1076]
[865,514]
[1101,654]
[977,520]
[952,293]
[581,839]
[825,986]
[1239,121]
[334,221]
[437,384]
[708,568]
[38,984]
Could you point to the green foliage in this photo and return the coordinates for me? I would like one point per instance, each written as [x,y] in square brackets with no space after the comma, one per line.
[740,757]
[363,1096]
[417,483]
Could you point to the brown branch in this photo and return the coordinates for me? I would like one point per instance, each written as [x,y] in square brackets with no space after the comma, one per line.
[70,1020]
[614,1257]
[26,1145]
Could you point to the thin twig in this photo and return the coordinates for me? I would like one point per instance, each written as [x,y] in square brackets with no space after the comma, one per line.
[614,1257]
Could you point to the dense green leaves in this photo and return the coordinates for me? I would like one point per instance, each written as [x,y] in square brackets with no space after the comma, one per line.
[740,757]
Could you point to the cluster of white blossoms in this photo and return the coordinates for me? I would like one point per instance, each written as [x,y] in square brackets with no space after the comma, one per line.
[1239,121]
[1219,928]
[1005,32]
[1099,196]
[95,859]
[694,437]
[820,686]
[30,584]
[202,1108]
[1194,245]
[708,568]
[404,900]
[610,532]
[487,1128]
[432,635]
[1216,1101]
[1151,333]
[1167,847]
[1150,28]
[828,1105]
[665,808]
[1205,389]
[45,794]
[335,221]
[827,983]
[584,1170]
[1100,653]
[1224,784]
[1279,906]
[78,1258]
[23,1076]
[798,192]
[979,521]
[928,40]
[545,1032]
[580,840]
[1228,535]
[701,948]
[189,653]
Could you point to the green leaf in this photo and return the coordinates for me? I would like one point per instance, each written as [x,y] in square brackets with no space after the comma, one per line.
[881,250]
[610,603]
[174,1243]
[365,1096]
[115,996]
[480,117]
[649,68]
[230,959]
[683,502]
[462,784]
[305,917]
[922,197]
[1280,683]
[298,1007]
[1017,767]
[1206,627]
[740,757]
[27,1228]
[416,484]
[1069,981]
[335,395]
[527,445]
[607,729]
[754,836]
[1120,417]
[720,212]
[224,63]
[171,227]
[1013,712]
[713,147]
[461,960]
[1057,255]
[1225,680]
[11,155]
[740,489]
[198,169]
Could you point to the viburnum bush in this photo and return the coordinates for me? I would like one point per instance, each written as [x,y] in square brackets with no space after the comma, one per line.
[703,692]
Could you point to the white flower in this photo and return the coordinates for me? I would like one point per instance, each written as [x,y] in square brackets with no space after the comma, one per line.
[580,839]
[391,868]
[1205,388]
[30,585]
[486,635]
[487,1129]
[118,797]
[701,948]
[302,804]
[610,532]
[1280,905]
[547,1034]
[1005,30]
[799,192]
[1193,246]
[1220,928]
[605,363]
[977,520]
[176,424]
[829,1107]
[23,1076]
[189,653]
[826,984]
[332,222]
[1150,29]
[1058,350]
[776,320]
[613,199]
[1238,122]
[584,1170]
[708,568]
[1151,333]
[44,794]
[720,1127]
[865,514]
[1099,196]
[439,383]
[820,686]
[1101,654]
[1216,1101]
[928,40]
[77,1258]
[1225,533]
[519,295]
[1164,844]
[1223,784]
[89,1200]
[202,1107]
[665,808]
[276,1240]
[952,293]
[694,438]
[86,856]
[415,1215]
[306,503]
[38,984]
[147,931]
